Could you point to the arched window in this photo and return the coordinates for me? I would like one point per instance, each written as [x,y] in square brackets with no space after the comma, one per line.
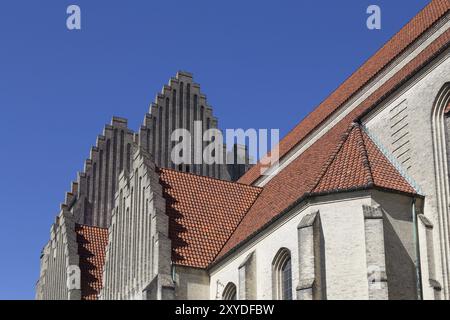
[286,280]
[282,275]
[229,293]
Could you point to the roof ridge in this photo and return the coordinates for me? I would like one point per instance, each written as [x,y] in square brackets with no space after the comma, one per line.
[86,225]
[333,156]
[209,178]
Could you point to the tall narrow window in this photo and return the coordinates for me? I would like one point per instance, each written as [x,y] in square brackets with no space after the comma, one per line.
[105,202]
[114,164]
[128,157]
[122,144]
[166,131]
[99,199]
[88,187]
[174,123]
[196,117]
[180,123]
[94,181]
[202,115]
[282,275]
[154,139]
[174,109]
[160,137]
[209,167]
[148,140]
[188,106]
[202,119]
[286,280]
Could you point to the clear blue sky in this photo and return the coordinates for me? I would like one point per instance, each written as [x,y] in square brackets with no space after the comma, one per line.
[262,64]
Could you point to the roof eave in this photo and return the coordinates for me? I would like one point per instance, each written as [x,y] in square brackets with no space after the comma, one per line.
[302,199]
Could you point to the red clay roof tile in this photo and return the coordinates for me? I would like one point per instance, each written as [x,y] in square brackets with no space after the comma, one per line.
[92,242]
[203,214]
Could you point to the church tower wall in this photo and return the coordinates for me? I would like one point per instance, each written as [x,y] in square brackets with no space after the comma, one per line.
[92,196]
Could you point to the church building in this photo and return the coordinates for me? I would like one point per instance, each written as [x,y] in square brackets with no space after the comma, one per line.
[357,207]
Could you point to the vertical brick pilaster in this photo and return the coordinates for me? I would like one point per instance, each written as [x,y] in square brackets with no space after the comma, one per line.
[310,245]
[375,253]
[433,282]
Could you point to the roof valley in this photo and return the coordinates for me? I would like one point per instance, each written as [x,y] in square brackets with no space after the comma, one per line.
[365,154]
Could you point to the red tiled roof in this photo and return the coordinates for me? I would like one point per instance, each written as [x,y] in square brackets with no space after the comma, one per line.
[392,49]
[358,163]
[203,214]
[300,177]
[92,242]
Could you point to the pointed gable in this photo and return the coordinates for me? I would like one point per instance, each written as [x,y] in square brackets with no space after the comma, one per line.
[348,167]
[358,164]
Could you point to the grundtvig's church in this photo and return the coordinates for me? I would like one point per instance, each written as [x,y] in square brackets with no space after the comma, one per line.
[357,209]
